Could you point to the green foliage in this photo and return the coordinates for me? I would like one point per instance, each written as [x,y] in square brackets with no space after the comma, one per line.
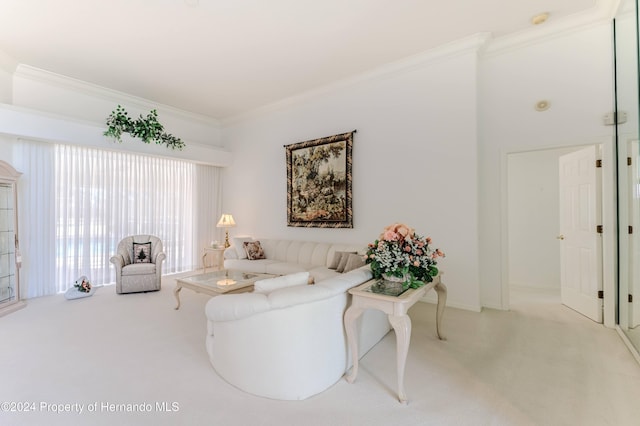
[148,129]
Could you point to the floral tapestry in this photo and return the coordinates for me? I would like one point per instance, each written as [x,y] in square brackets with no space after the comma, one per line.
[319,182]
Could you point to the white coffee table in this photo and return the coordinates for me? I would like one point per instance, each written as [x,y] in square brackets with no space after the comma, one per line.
[219,282]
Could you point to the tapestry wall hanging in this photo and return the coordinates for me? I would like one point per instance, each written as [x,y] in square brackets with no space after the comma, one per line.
[319,182]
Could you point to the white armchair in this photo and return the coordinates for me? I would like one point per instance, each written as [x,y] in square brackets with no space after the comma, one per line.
[138,264]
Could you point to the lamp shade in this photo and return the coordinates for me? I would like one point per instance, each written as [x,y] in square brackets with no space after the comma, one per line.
[226,221]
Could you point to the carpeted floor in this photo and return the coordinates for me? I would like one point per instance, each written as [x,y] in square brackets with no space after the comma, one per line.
[538,364]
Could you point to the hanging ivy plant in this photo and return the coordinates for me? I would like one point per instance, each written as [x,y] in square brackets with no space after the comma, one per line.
[148,129]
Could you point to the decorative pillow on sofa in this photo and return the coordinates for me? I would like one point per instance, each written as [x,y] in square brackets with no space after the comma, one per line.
[271,284]
[238,244]
[343,261]
[337,256]
[142,252]
[354,261]
[254,250]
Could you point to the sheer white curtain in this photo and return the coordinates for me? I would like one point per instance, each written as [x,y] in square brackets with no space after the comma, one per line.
[208,197]
[36,221]
[75,204]
[103,196]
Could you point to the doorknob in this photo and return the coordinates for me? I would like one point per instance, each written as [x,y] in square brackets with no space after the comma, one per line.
[560,237]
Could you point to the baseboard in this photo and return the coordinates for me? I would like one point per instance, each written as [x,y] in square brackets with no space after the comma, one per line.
[530,288]
[628,343]
[434,299]
[12,308]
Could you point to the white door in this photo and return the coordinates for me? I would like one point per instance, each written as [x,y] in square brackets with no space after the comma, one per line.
[580,242]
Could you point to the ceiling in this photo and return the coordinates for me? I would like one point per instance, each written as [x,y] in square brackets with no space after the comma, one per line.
[221,58]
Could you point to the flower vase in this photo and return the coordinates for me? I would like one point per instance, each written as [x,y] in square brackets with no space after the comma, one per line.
[394,279]
[391,285]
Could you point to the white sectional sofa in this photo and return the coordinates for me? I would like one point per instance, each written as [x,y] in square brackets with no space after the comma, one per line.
[288,342]
[286,257]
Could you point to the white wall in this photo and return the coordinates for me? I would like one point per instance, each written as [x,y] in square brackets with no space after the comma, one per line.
[414,161]
[7,67]
[46,106]
[44,91]
[427,115]
[534,218]
[574,72]
[5,86]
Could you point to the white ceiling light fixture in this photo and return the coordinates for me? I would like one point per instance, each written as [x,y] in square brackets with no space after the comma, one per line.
[540,18]
[542,105]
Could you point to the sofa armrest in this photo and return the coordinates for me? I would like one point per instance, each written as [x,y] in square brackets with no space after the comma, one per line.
[160,257]
[230,253]
[229,307]
[118,261]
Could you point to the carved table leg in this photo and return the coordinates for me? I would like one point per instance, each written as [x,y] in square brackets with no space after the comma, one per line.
[441,290]
[350,323]
[402,326]
[204,265]
[176,293]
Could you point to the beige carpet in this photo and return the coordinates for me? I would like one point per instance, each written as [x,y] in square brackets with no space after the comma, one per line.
[539,364]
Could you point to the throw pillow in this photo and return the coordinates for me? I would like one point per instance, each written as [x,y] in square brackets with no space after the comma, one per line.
[343,261]
[254,250]
[271,284]
[354,261]
[336,258]
[142,252]
[238,244]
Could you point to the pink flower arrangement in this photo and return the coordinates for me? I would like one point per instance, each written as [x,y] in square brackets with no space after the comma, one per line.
[400,252]
[83,285]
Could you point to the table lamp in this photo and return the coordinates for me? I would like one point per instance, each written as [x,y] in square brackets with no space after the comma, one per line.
[226,221]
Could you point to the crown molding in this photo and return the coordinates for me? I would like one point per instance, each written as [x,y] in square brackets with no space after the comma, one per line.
[47,127]
[602,12]
[114,96]
[474,43]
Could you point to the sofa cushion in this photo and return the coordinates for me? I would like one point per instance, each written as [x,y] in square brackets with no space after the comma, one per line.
[238,243]
[350,248]
[297,295]
[247,265]
[337,257]
[139,269]
[271,284]
[343,261]
[343,282]
[354,261]
[254,250]
[284,268]
[320,273]
[319,254]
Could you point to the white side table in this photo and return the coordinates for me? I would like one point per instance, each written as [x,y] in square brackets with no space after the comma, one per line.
[218,254]
[396,308]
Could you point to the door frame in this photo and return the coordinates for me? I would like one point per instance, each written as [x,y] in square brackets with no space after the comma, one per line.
[609,222]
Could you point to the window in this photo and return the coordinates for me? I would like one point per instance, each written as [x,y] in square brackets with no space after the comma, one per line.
[77,203]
